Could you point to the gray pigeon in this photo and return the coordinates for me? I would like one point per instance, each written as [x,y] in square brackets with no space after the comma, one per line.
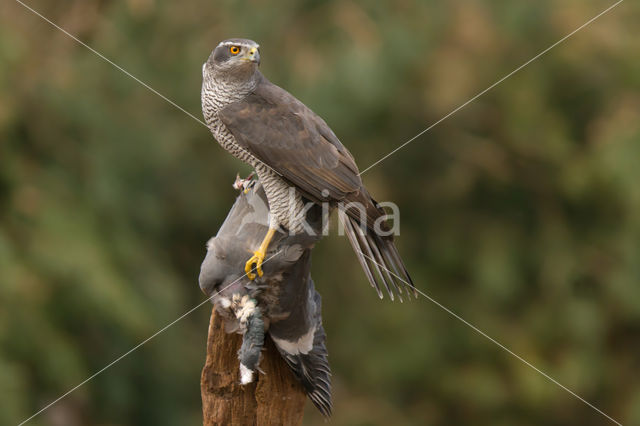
[283,302]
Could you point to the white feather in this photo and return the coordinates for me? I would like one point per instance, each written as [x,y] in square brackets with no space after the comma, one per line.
[246,375]
[303,345]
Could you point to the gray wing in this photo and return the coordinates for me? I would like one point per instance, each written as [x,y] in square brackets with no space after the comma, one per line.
[283,133]
[311,368]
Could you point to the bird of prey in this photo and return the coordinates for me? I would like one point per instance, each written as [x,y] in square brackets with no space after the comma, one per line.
[290,146]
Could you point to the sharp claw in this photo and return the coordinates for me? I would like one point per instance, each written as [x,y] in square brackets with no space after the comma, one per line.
[247,269]
[256,259]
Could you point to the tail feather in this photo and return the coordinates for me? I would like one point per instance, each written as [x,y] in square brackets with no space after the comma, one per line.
[393,258]
[379,259]
[312,370]
[359,249]
[388,278]
[365,242]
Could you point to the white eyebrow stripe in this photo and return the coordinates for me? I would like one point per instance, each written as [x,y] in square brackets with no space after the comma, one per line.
[234,43]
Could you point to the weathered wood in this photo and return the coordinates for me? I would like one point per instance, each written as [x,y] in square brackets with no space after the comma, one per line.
[275,397]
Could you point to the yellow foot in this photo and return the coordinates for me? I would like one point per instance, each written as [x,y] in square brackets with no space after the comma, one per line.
[258,256]
[257,259]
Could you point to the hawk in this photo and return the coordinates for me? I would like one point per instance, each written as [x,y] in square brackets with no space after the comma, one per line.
[290,146]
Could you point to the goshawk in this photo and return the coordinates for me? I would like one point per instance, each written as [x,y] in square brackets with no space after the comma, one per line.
[290,146]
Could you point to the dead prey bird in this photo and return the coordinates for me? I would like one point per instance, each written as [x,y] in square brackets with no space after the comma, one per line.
[283,302]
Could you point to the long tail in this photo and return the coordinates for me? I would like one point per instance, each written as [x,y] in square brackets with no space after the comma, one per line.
[379,259]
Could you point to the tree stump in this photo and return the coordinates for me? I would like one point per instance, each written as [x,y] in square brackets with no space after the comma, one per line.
[274,398]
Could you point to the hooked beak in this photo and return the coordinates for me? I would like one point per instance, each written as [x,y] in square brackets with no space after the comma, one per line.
[253,55]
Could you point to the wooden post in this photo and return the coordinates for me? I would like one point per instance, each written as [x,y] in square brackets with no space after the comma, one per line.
[274,398]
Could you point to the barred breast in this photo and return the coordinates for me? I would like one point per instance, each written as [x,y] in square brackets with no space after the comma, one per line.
[285,205]
[215,96]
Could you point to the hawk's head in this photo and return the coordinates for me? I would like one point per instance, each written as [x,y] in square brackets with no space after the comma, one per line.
[235,59]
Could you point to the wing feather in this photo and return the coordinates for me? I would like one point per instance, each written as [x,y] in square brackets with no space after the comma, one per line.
[283,133]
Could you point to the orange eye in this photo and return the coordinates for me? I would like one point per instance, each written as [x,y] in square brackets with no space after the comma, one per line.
[234,50]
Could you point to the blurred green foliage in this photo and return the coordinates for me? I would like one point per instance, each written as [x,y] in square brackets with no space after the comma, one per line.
[521,212]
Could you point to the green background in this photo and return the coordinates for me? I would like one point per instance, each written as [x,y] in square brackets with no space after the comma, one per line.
[521,212]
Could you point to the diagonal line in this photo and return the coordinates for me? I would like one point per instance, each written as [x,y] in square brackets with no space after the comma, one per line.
[112,63]
[387,155]
[482,333]
[365,170]
[114,361]
[190,310]
[492,86]
[100,55]
[124,355]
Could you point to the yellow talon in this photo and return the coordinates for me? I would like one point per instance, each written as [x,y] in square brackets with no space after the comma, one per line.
[246,190]
[257,259]
[258,256]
